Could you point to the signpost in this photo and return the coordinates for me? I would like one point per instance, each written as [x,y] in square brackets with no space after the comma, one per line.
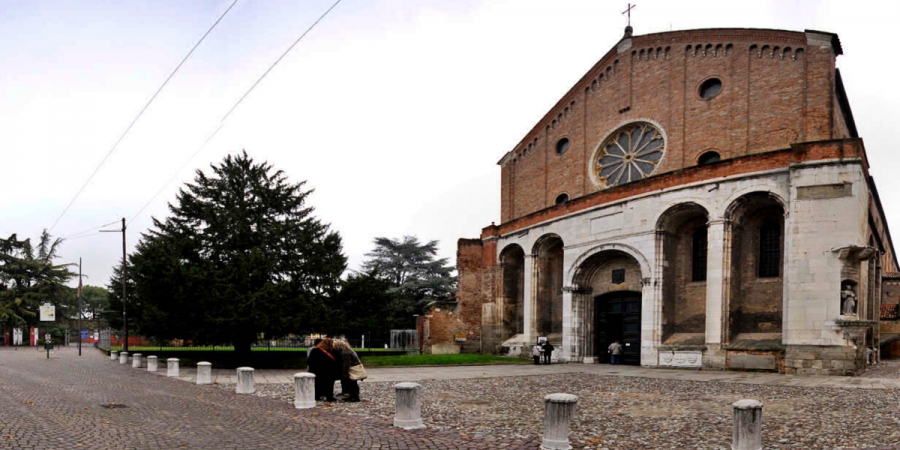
[48,344]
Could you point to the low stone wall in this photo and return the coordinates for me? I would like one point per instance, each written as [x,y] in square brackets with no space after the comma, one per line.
[815,360]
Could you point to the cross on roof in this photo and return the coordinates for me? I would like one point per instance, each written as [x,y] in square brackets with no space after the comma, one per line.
[628,11]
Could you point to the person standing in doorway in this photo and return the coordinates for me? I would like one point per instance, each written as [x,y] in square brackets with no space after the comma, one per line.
[536,353]
[615,352]
[548,351]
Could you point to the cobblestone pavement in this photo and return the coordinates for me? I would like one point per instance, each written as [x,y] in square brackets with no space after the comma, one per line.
[90,402]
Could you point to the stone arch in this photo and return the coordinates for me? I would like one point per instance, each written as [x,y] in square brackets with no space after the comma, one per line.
[755,256]
[682,232]
[548,283]
[576,275]
[512,263]
[735,199]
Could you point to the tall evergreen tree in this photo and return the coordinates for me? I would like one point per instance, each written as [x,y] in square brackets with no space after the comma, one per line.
[415,275]
[239,256]
[29,278]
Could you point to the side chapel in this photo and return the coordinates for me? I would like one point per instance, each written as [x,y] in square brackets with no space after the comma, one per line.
[701,196]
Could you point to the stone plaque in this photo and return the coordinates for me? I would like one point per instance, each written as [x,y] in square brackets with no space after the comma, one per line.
[823,191]
[603,224]
[751,362]
[681,358]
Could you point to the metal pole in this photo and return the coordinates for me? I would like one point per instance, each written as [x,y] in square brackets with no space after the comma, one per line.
[124,283]
[79,306]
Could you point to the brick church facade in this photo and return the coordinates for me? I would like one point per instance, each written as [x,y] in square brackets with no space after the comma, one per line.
[701,196]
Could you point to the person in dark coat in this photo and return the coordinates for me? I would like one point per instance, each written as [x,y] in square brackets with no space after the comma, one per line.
[548,351]
[349,359]
[326,364]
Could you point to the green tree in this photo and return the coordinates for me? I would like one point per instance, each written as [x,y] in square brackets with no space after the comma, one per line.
[416,277]
[29,278]
[364,305]
[240,255]
[112,313]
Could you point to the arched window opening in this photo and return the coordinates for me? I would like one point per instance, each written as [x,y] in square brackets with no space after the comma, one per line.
[710,88]
[562,198]
[708,158]
[698,255]
[769,250]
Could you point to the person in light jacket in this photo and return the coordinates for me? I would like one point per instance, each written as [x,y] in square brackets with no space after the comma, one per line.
[350,359]
[615,352]
[536,353]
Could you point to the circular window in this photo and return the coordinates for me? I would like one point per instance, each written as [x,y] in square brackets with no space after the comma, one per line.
[710,88]
[629,154]
[562,145]
[562,198]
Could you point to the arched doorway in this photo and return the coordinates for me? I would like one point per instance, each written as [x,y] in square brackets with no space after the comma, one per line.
[607,295]
[512,259]
[548,266]
[617,317]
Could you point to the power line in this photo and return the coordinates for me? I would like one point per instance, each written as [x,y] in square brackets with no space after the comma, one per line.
[279,60]
[175,175]
[78,234]
[125,133]
[241,99]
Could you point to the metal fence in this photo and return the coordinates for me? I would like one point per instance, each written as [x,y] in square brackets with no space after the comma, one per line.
[111,339]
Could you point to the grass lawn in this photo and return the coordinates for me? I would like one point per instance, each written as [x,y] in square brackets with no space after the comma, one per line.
[438,360]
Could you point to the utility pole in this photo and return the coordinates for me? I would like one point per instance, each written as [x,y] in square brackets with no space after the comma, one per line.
[124,282]
[79,306]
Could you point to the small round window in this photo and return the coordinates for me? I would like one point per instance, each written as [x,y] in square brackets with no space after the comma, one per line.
[562,145]
[562,198]
[710,88]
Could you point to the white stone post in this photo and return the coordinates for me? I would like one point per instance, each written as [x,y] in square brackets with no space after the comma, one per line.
[204,372]
[123,358]
[304,390]
[172,369]
[408,406]
[113,356]
[747,425]
[136,362]
[245,380]
[152,364]
[558,411]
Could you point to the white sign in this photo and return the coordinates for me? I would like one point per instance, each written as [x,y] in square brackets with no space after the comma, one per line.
[48,313]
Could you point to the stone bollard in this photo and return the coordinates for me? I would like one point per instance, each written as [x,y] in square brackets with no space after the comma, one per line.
[136,361]
[408,406]
[123,358]
[151,364]
[204,373]
[113,356]
[747,425]
[304,390]
[245,381]
[559,409]
[172,367]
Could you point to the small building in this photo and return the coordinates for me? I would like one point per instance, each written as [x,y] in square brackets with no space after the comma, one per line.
[702,196]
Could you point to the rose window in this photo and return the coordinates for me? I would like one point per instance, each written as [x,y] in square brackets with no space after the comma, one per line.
[629,154]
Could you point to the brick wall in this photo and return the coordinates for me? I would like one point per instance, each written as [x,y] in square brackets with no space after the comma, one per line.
[778,88]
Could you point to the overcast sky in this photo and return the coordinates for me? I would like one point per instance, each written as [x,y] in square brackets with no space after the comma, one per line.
[396,112]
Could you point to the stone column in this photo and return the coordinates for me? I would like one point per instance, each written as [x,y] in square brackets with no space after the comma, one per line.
[747,425]
[204,373]
[715,279]
[113,356]
[123,358]
[408,406]
[571,350]
[245,381]
[136,362]
[304,390]
[559,409]
[528,300]
[152,364]
[172,367]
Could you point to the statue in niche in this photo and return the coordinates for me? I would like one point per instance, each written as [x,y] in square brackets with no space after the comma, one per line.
[848,301]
